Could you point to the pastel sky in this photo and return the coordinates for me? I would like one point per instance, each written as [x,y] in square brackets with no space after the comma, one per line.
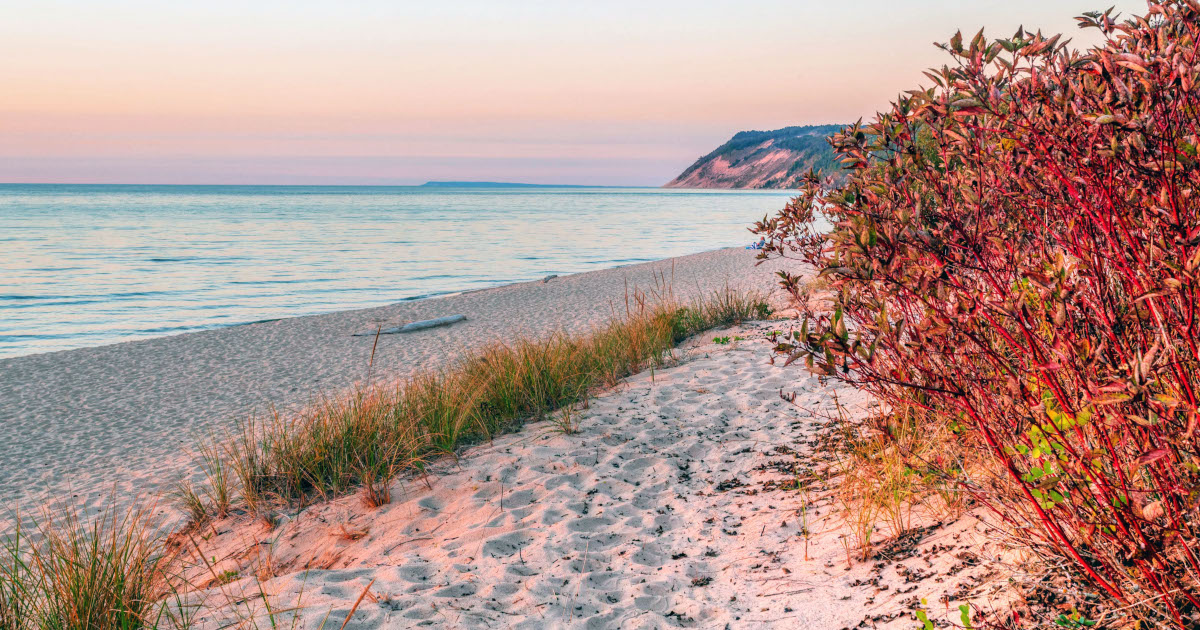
[400,92]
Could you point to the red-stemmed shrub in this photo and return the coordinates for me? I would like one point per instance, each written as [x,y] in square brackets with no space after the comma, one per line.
[1018,248]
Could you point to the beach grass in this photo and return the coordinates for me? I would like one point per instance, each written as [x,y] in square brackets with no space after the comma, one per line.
[114,570]
[66,572]
[892,463]
[364,439]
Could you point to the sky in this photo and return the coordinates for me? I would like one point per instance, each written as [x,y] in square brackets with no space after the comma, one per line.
[603,92]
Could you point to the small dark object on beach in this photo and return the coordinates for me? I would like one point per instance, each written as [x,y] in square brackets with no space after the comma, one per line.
[549,278]
[729,484]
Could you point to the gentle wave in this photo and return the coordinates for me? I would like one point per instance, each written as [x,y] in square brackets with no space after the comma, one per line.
[88,265]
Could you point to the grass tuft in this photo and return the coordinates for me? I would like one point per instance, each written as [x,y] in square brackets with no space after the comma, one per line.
[893,462]
[107,573]
[189,499]
[368,437]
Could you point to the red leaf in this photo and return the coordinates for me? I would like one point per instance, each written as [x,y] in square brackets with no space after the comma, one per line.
[1151,457]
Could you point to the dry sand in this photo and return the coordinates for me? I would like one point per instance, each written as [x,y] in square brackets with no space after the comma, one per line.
[675,505]
[96,423]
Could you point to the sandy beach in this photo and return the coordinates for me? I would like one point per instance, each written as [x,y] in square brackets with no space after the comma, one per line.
[693,496]
[117,420]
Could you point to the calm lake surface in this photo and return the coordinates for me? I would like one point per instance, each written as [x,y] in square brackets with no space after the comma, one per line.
[90,265]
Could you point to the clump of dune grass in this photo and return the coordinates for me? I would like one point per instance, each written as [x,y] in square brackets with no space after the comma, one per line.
[893,462]
[367,437]
[565,421]
[189,499]
[377,492]
[215,496]
[722,308]
[64,573]
[218,488]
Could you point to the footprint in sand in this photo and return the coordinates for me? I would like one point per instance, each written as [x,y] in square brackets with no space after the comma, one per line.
[506,545]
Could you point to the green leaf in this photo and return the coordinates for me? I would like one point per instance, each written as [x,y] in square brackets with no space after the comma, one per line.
[924,618]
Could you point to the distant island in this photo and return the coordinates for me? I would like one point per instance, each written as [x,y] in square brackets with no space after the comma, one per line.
[763,159]
[437,184]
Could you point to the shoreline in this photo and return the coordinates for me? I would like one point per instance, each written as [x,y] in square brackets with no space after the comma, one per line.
[415,298]
[114,421]
[641,514]
[396,303]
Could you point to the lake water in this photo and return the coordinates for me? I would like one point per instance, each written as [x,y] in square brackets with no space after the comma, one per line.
[89,265]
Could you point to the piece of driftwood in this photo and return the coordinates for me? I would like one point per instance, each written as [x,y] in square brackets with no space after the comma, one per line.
[549,278]
[414,326]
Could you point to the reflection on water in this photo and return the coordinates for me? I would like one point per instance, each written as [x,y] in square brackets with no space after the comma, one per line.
[89,265]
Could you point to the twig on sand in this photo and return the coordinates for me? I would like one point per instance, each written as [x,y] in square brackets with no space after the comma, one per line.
[356,603]
[371,364]
[405,542]
[582,569]
[792,592]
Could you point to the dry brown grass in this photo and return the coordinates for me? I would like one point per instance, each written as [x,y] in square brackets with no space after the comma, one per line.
[106,573]
[894,463]
[118,572]
[368,437]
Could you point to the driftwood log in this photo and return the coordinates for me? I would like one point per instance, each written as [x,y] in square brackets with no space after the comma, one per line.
[414,326]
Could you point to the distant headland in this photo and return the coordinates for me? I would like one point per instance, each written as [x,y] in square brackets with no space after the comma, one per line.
[451,184]
[764,159]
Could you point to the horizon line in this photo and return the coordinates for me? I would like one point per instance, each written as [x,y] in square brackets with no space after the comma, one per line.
[428,184]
